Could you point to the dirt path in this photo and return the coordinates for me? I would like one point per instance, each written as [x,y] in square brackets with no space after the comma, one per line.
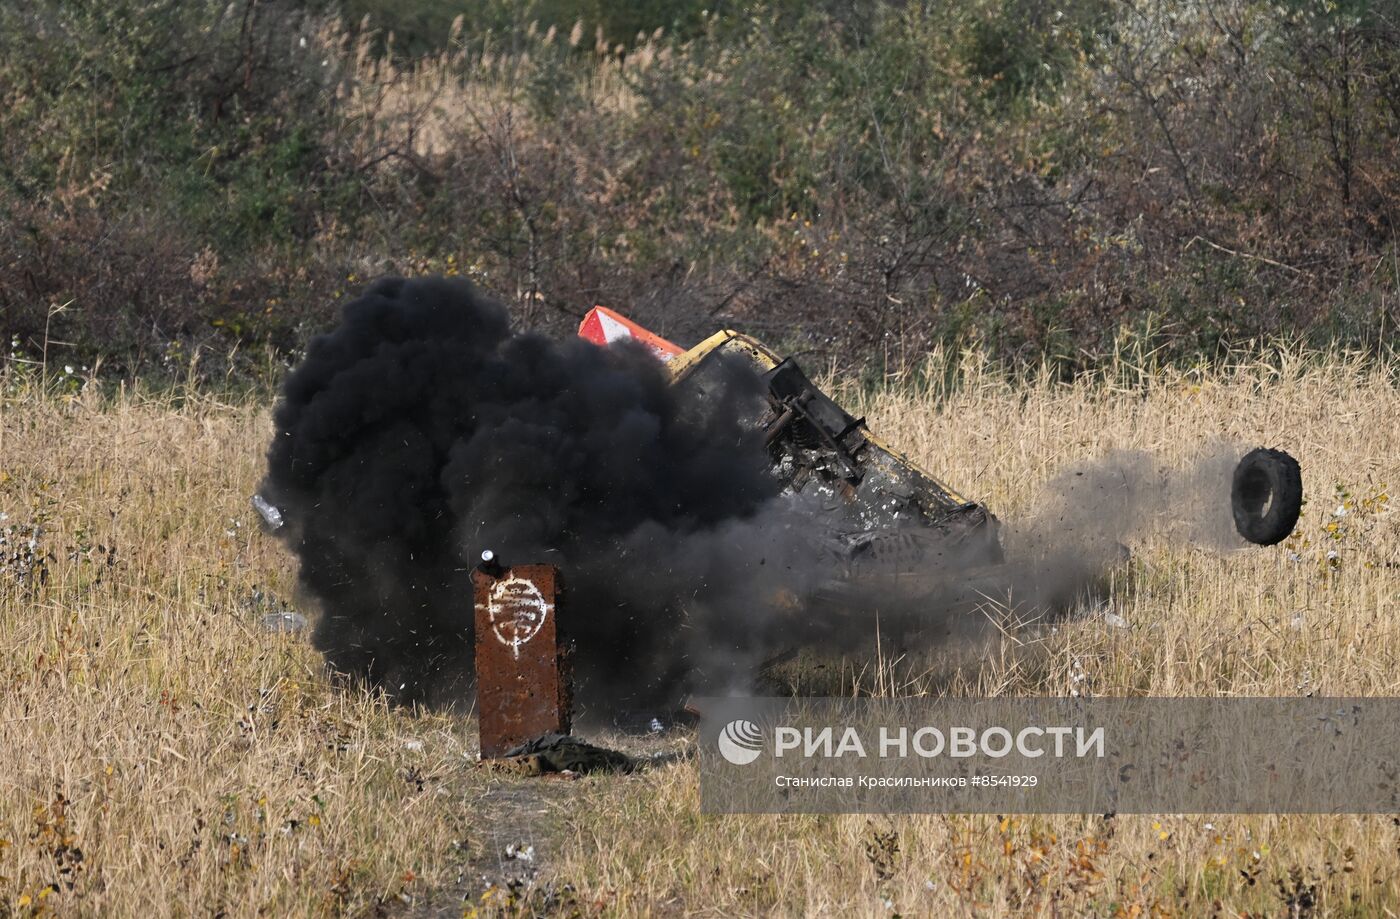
[520,829]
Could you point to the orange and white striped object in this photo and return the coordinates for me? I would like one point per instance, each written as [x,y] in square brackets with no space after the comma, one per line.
[603,326]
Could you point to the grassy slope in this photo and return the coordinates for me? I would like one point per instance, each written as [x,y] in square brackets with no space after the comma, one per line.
[201,764]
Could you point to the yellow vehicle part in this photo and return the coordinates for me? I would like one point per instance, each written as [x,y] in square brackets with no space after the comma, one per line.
[764,360]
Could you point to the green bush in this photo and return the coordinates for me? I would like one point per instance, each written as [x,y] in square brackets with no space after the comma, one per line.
[855,181]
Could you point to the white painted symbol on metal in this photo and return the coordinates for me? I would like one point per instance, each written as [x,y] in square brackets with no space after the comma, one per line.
[517,610]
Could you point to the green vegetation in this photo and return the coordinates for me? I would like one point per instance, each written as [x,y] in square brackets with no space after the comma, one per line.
[852,180]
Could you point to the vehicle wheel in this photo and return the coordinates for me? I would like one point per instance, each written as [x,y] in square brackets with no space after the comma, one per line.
[1266,496]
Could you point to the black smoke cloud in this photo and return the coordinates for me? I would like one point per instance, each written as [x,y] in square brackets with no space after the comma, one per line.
[422,430]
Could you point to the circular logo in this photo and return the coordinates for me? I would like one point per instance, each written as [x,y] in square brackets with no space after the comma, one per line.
[740,742]
[517,610]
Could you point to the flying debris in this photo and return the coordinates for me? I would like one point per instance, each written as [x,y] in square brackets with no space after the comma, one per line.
[270,514]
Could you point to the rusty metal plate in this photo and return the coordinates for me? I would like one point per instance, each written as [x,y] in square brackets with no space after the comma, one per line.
[522,667]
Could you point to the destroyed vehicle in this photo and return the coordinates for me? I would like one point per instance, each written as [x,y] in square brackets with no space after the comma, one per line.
[872,503]
[869,501]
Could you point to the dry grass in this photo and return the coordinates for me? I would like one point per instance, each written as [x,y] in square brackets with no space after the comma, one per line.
[161,753]
[435,106]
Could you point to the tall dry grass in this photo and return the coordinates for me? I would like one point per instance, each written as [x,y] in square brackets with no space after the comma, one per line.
[161,753]
[1282,621]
